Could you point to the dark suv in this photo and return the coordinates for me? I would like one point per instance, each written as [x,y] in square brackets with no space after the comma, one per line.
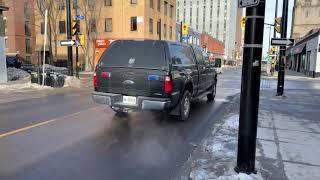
[153,75]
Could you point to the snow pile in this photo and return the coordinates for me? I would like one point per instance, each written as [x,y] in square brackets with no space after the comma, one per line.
[49,68]
[71,81]
[216,158]
[28,85]
[16,74]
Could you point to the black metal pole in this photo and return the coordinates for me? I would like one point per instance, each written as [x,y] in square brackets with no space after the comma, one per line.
[69,37]
[275,16]
[250,88]
[77,38]
[284,23]
[181,32]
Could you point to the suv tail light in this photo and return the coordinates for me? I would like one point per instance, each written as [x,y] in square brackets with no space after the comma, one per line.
[95,78]
[168,85]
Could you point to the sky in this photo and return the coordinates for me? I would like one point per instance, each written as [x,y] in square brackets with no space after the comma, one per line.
[269,18]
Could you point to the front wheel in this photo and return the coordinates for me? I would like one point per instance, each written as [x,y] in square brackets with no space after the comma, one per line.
[212,95]
[185,105]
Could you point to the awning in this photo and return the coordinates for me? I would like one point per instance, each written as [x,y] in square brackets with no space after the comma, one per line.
[297,49]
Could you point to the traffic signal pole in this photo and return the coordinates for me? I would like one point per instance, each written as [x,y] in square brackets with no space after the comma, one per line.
[282,49]
[181,32]
[69,37]
[275,16]
[250,88]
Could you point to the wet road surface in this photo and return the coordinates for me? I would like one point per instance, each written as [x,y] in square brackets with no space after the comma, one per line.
[67,136]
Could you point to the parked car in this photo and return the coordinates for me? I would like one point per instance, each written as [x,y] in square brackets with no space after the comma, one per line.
[153,75]
[28,67]
[13,61]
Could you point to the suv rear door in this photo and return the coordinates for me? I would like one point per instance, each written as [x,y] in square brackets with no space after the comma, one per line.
[202,69]
[183,65]
[133,68]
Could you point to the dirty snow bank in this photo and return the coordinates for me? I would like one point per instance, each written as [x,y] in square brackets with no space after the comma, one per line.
[216,157]
[28,85]
[71,81]
[49,68]
[15,74]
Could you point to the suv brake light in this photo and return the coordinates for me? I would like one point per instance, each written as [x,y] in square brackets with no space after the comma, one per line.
[95,78]
[168,85]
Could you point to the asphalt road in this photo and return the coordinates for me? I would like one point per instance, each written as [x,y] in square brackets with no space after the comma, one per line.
[67,136]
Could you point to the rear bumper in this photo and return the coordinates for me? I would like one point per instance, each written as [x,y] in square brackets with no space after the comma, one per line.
[143,103]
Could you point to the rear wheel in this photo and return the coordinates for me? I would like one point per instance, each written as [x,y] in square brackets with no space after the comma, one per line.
[119,111]
[185,105]
[212,95]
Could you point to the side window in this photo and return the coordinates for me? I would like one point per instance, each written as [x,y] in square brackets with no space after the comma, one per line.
[199,57]
[181,55]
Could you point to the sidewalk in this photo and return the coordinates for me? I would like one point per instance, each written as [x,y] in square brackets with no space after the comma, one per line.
[288,140]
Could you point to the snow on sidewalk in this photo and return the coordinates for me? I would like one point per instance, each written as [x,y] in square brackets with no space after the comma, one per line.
[216,157]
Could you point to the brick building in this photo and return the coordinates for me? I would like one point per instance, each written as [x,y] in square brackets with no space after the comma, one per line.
[212,45]
[19,29]
[109,20]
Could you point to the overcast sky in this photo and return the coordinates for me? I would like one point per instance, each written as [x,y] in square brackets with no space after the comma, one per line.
[269,18]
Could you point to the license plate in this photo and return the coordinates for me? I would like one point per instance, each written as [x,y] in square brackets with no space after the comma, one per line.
[129,100]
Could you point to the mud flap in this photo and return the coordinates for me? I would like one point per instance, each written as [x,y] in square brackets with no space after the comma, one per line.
[176,110]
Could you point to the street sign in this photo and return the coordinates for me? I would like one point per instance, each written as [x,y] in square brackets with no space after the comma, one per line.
[248,3]
[282,42]
[67,42]
[80,17]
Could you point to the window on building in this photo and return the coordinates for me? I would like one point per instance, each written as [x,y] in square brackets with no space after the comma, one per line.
[6,43]
[134,25]
[108,25]
[159,5]
[151,3]
[165,6]
[151,25]
[28,59]
[178,14]
[27,29]
[42,27]
[28,46]
[158,27]
[75,4]
[171,11]
[26,10]
[164,30]
[62,27]
[307,13]
[170,32]
[61,5]
[107,2]
[93,25]
[134,1]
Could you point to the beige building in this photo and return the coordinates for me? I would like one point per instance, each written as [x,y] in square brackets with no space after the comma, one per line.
[306,17]
[107,20]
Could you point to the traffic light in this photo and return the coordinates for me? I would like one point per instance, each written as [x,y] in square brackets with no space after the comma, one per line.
[81,40]
[75,27]
[185,29]
[243,22]
[277,24]
[273,50]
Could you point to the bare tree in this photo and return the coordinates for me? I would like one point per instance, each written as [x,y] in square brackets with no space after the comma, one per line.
[91,9]
[54,8]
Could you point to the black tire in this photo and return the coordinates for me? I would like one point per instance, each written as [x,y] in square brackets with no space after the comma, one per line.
[119,111]
[185,106]
[212,95]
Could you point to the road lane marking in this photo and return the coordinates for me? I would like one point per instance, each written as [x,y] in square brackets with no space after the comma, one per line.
[42,123]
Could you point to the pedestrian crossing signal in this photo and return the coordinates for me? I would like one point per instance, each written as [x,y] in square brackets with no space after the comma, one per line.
[75,27]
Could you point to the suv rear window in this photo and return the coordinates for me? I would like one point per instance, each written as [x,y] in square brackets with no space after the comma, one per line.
[141,54]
